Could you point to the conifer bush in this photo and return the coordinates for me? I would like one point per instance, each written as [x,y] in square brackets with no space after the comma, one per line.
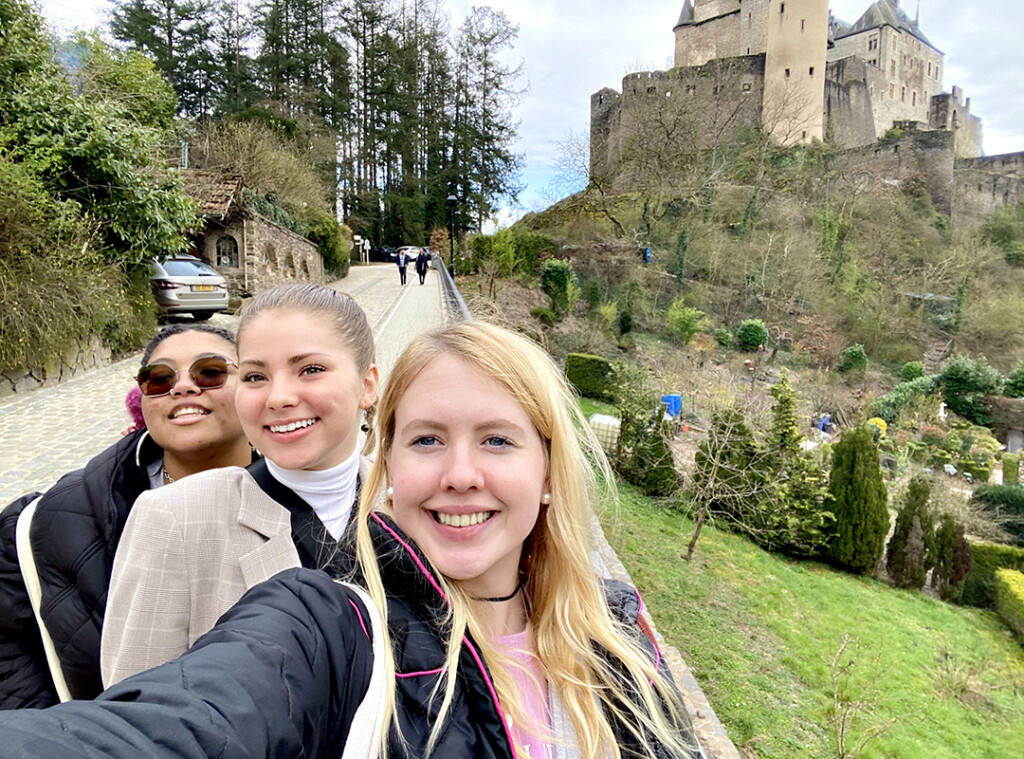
[645,456]
[1011,468]
[980,581]
[911,550]
[953,559]
[859,503]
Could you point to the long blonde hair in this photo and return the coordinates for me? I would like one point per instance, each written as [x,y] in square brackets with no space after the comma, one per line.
[569,615]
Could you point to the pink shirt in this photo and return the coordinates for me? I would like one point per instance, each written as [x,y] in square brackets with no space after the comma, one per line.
[534,699]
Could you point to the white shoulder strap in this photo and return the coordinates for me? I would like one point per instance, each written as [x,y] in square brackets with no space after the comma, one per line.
[35,595]
[364,737]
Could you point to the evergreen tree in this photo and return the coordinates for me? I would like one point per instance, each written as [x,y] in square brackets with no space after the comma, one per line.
[905,567]
[178,36]
[858,502]
[953,558]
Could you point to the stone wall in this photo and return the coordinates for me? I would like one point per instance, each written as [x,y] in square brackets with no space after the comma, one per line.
[984,184]
[849,120]
[91,354]
[705,103]
[270,255]
[901,163]
[952,112]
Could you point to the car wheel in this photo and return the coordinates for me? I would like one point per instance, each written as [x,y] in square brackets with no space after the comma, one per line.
[202,316]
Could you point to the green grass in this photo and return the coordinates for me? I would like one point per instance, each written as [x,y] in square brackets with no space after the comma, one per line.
[760,632]
[591,406]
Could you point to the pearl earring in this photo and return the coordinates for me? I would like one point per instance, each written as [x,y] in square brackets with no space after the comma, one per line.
[390,492]
[545,499]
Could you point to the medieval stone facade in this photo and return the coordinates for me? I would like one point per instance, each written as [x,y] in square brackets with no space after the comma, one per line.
[821,78]
[250,251]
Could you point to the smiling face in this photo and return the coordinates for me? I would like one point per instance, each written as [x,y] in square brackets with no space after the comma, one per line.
[468,469]
[189,421]
[300,391]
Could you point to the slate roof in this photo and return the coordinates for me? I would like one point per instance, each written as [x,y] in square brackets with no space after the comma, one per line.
[885,13]
[214,191]
[686,17]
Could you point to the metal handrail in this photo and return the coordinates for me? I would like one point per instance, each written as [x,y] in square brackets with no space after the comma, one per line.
[454,304]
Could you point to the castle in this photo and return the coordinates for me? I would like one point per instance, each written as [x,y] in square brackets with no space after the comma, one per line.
[790,69]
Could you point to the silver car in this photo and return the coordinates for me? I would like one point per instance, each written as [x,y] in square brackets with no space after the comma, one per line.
[186,285]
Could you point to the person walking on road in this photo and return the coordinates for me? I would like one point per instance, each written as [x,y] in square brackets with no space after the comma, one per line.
[57,550]
[421,264]
[306,375]
[402,259]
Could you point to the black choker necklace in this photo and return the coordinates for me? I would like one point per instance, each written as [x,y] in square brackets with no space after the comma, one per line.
[500,599]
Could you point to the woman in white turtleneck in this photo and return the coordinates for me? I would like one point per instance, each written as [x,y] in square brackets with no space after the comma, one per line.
[191,549]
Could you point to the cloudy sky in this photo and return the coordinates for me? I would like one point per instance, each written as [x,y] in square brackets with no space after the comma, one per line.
[572,48]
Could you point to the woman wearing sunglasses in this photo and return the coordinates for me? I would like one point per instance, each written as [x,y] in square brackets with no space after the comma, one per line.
[65,540]
[306,375]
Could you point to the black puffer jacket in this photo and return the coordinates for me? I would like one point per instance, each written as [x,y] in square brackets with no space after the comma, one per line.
[281,674]
[74,535]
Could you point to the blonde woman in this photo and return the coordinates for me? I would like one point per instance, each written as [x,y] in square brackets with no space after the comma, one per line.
[501,641]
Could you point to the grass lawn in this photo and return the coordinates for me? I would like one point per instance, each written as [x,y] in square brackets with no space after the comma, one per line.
[760,633]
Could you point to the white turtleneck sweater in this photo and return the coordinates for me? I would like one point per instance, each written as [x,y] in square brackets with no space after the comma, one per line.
[331,492]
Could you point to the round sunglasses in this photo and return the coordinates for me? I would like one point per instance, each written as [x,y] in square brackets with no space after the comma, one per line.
[207,373]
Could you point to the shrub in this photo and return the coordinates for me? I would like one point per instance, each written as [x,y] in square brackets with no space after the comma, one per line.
[912,370]
[889,406]
[911,550]
[684,322]
[1014,387]
[979,585]
[853,359]
[592,376]
[544,315]
[1006,504]
[558,281]
[1011,468]
[625,322]
[330,239]
[724,336]
[645,456]
[752,334]
[953,559]
[965,383]
[859,503]
[1010,598]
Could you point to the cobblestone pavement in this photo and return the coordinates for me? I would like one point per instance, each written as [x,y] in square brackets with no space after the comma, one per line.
[47,432]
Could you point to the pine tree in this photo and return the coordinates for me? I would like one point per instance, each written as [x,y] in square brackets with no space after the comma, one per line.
[905,569]
[859,501]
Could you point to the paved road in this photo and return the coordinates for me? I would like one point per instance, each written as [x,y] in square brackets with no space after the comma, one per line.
[47,432]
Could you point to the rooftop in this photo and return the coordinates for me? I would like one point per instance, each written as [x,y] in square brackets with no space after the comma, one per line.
[882,13]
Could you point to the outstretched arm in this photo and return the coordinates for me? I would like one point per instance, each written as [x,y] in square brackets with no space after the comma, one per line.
[280,675]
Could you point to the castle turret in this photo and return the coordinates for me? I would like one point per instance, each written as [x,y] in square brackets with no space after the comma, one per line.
[683,29]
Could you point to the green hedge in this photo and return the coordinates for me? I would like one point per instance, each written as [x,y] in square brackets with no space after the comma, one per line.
[592,376]
[1010,598]
[980,584]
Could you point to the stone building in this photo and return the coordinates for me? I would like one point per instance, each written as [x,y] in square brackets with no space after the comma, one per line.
[250,251]
[820,78]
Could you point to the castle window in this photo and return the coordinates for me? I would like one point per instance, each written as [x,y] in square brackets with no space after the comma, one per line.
[782,7]
[929,68]
[936,71]
[805,134]
[873,61]
[787,73]
[810,71]
[746,86]
[903,94]
[227,252]
[802,21]
[913,98]
[892,68]
[873,42]
[652,90]
[892,91]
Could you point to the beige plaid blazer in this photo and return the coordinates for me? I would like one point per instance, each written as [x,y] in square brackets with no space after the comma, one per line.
[188,553]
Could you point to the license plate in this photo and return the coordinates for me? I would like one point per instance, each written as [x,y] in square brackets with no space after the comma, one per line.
[203,288]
